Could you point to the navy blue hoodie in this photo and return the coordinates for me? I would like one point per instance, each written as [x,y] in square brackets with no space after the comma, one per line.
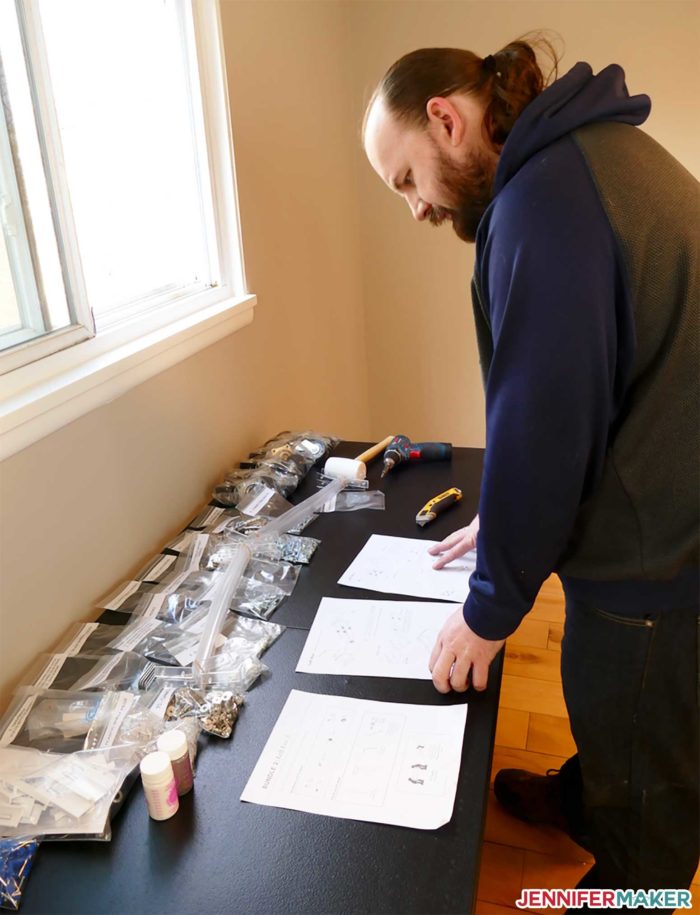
[553,293]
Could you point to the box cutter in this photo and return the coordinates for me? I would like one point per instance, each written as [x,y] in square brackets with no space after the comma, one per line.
[438,504]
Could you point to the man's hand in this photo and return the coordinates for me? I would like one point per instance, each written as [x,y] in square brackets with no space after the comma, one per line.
[456,545]
[458,651]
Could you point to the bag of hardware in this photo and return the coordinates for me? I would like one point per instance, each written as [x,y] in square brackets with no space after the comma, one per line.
[263,587]
[161,642]
[237,678]
[16,859]
[66,721]
[214,711]
[57,795]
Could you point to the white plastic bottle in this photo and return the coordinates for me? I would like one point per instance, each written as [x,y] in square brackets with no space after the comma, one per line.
[174,743]
[159,785]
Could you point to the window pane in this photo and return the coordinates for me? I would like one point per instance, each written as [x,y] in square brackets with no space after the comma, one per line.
[9,310]
[120,75]
[31,279]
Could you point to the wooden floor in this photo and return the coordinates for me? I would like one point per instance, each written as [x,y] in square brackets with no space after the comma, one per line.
[532,733]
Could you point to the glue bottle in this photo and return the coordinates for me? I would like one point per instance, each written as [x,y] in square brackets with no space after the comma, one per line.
[174,743]
[159,785]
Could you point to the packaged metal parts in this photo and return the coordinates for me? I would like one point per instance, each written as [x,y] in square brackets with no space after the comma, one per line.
[16,859]
[216,711]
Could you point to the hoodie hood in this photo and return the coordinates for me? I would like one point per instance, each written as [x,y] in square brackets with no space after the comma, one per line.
[578,98]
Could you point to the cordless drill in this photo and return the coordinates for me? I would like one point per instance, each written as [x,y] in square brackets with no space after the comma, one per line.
[401,449]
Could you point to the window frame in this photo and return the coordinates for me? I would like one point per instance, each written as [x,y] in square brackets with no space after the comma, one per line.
[40,397]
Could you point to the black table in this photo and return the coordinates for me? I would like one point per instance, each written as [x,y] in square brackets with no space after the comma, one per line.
[220,855]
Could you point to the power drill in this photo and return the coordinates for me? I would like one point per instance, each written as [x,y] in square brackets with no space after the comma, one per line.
[401,448]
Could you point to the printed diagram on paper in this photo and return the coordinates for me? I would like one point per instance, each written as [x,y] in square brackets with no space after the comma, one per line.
[401,565]
[373,638]
[383,762]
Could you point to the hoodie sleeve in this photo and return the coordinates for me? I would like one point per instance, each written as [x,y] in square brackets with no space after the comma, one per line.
[557,307]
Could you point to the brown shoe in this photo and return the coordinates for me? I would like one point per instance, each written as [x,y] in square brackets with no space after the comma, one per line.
[532,798]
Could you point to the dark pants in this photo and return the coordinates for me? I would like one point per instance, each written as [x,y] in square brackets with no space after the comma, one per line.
[631,794]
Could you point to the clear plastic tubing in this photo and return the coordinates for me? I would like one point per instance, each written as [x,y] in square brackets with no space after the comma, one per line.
[159,785]
[174,743]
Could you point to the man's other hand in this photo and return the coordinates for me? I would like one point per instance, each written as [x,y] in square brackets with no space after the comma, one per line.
[458,652]
[456,545]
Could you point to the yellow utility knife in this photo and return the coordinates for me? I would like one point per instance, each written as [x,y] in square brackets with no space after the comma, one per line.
[438,504]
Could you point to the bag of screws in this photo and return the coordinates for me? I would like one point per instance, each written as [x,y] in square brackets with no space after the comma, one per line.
[216,710]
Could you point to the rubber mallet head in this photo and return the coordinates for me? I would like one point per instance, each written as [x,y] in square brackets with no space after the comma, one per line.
[340,468]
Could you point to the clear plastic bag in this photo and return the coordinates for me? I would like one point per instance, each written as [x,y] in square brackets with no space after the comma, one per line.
[348,501]
[237,678]
[67,721]
[260,632]
[51,720]
[110,670]
[285,548]
[215,711]
[54,795]
[161,642]
[263,587]
[166,568]
[16,859]
[191,596]
[87,638]
[126,596]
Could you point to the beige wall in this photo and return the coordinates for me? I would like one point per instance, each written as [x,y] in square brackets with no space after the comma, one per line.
[363,325]
[422,362]
[81,509]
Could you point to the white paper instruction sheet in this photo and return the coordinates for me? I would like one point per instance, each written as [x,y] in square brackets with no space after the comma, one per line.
[373,638]
[401,565]
[384,762]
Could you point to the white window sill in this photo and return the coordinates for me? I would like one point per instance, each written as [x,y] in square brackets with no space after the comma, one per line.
[41,398]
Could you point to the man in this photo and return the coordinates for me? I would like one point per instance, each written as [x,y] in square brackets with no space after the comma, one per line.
[585,298]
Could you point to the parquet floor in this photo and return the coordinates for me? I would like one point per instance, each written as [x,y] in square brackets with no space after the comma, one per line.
[532,733]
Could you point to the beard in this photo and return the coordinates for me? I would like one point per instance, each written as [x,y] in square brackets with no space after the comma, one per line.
[470,185]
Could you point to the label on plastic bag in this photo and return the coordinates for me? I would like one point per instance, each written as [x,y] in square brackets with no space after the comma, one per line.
[50,672]
[200,542]
[160,704]
[179,545]
[81,638]
[121,708]
[255,505]
[152,608]
[156,570]
[129,588]
[212,515]
[136,633]
[17,721]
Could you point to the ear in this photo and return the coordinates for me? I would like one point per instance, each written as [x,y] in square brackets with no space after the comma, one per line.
[445,121]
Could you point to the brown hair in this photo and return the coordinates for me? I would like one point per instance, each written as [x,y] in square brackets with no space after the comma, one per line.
[507,81]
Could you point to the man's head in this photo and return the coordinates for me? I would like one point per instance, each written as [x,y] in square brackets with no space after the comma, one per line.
[436,124]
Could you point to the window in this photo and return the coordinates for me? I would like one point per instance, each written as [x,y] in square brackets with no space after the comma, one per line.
[117,194]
